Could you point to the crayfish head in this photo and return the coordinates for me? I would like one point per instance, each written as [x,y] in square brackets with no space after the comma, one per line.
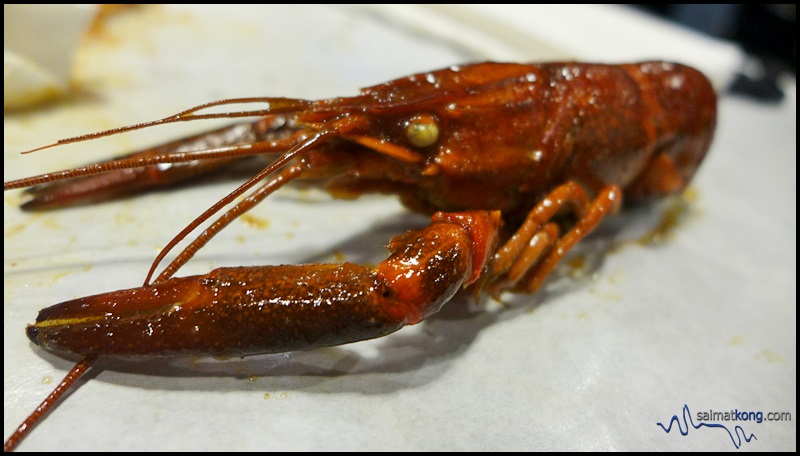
[451,137]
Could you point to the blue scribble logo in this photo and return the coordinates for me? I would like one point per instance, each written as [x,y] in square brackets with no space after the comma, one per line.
[738,432]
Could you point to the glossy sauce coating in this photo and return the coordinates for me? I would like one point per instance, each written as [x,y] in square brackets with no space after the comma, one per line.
[502,143]
[275,309]
[509,133]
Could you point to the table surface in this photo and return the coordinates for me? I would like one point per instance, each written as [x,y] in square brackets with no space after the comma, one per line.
[704,321]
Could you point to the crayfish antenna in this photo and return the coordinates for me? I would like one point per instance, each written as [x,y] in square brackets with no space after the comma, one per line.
[47,405]
[274,106]
[280,178]
[129,163]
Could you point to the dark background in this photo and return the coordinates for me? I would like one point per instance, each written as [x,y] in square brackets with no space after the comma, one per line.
[766,32]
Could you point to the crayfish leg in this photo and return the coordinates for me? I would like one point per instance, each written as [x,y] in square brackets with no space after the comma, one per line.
[535,249]
[531,254]
[608,201]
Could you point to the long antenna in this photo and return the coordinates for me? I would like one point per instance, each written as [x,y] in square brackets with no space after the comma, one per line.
[50,401]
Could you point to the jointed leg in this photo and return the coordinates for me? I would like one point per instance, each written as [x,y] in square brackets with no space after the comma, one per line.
[608,201]
[539,244]
[526,260]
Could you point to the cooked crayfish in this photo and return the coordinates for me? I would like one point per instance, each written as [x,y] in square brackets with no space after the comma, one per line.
[499,153]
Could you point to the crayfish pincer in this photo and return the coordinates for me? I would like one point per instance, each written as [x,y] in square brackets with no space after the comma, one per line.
[516,162]
[273,309]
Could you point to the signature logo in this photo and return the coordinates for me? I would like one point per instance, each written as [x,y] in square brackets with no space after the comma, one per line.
[738,435]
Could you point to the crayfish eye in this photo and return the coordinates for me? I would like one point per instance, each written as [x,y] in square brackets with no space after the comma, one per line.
[422,130]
